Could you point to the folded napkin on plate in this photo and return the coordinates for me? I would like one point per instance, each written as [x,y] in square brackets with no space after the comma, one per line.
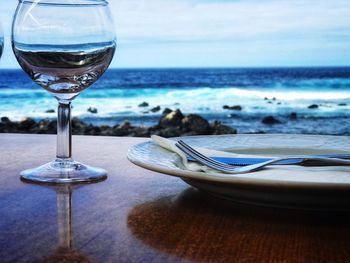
[194,166]
[286,173]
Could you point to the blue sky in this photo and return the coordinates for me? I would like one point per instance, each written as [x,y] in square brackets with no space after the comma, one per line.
[222,33]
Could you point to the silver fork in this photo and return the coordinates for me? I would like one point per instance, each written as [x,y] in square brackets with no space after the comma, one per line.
[230,169]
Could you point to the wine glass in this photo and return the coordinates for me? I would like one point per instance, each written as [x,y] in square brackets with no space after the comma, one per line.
[1,41]
[64,46]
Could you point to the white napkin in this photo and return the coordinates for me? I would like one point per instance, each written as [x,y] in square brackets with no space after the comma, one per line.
[194,166]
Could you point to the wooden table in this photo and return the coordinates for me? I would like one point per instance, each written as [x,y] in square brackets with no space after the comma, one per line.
[141,216]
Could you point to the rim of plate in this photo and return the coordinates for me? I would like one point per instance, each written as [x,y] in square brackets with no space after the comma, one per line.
[236,179]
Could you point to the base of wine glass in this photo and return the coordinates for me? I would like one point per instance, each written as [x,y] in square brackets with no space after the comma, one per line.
[64,172]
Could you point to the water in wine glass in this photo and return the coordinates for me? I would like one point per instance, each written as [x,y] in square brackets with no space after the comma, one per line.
[65,70]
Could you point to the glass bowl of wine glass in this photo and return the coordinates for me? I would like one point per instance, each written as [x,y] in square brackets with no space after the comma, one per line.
[1,41]
[64,46]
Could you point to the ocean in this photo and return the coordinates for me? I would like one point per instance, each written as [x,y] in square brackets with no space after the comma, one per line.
[260,92]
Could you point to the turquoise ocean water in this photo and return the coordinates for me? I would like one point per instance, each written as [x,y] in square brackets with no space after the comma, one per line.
[260,92]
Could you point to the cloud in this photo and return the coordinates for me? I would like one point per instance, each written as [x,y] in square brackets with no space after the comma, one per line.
[224,32]
[194,20]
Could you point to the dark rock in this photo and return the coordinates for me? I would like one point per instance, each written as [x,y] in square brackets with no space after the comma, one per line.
[236,107]
[313,106]
[166,111]
[155,109]
[45,127]
[270,120]
[256,132]
[170,132]
[123,129]
[293,116]
[78,126]
[273,98]
[171,125]
[154,129]
[342,104]
[197,124]
[144,104]
[125,125]
[7,126]
[5,119]
[50,111]
[120,132]
[171,119]
[140,132]
[92,110]
[27,124]
[77,122]
[106,130]
[279,103]
[176,103]
[52,127]
[220,129]
[265,98]
[92,130]
[269,102]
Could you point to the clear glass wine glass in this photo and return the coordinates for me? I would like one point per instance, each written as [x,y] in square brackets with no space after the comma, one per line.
[1,41]
[64,46]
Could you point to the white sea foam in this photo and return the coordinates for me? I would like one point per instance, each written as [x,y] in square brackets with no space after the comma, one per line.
[21,103]
[251,94]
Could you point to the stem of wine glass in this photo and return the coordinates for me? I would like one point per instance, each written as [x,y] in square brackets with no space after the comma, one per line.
[64,130]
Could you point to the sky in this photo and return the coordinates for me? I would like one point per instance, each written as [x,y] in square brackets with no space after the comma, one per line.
[221,33]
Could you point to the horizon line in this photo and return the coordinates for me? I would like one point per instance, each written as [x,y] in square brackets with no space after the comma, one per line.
[216,67]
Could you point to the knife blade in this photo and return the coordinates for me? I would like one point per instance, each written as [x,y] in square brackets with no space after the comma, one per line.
[244,161]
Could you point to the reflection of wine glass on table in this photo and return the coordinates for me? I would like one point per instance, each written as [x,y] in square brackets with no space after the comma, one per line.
[65,251]
[64,46]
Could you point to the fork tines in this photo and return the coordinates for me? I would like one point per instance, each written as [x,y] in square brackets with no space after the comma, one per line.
[202,158]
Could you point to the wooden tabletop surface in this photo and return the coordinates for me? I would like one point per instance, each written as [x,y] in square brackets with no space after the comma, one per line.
[141,216]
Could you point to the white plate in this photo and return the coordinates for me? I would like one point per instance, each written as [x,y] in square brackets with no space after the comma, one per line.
[288,186]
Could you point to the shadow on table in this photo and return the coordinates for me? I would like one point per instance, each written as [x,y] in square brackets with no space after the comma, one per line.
[220,230]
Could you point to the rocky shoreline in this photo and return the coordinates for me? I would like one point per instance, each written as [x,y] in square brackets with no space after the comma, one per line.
[171,124]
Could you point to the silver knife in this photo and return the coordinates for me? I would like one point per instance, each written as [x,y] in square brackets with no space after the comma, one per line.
[241,161]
